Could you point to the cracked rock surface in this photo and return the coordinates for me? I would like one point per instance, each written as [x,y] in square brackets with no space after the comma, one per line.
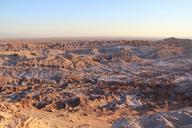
[114,81]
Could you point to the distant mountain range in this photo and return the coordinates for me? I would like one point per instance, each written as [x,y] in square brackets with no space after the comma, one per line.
[25,36]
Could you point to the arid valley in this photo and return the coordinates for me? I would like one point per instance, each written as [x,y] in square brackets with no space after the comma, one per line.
[96,83]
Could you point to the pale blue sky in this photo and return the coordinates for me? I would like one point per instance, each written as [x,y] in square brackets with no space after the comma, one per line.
[70,18]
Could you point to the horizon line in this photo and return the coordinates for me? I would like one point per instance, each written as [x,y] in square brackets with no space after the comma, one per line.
[92,38]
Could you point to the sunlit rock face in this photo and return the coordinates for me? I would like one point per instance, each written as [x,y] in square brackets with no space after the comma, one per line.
[104,78]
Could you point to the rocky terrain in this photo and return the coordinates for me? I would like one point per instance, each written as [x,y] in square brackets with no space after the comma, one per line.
[94,84]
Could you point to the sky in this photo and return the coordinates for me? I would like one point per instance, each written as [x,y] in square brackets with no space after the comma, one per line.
[95,18]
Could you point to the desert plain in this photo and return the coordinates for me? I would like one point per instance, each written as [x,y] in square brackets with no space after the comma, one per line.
[96,83]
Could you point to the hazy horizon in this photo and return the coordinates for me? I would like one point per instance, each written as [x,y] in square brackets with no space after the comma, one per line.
[95,18]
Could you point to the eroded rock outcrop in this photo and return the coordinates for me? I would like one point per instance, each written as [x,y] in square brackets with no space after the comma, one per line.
[101,78]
